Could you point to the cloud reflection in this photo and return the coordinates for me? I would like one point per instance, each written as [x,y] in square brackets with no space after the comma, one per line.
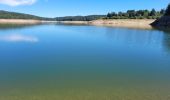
[18,38]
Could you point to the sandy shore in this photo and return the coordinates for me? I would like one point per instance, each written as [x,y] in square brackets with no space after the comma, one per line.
[19,21]
[128,23]
[75,22]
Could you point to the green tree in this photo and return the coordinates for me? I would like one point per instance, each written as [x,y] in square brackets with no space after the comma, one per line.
[153,12]
[167,12]
[109,15]
[162,12]
[120,13]
[113,14]
[131,13]
[139,13]
[146,13]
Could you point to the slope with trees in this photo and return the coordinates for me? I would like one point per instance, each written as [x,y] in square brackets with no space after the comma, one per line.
[14,15]
[140,14]
[164,21]
[80,18]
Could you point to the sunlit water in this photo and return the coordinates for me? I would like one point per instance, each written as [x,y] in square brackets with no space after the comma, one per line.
[64,62]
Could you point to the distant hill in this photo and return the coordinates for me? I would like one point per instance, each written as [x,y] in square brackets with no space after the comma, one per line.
[80,18]
[14,15]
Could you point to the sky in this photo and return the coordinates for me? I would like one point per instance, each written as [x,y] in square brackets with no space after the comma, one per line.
[55,8]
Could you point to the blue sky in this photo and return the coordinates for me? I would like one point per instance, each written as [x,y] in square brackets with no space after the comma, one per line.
[53,8]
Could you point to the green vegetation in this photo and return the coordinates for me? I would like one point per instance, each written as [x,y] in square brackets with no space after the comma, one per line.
[14,15]
[167,13]
[130,14]
[80,18]
[140,14]
[164,21]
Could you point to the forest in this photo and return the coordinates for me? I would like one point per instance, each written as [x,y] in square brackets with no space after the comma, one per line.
[167,12]
[14,15]
[139,14]
[80,18]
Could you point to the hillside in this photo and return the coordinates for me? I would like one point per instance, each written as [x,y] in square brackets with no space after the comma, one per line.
[80,18]
[14,15]
[164,21]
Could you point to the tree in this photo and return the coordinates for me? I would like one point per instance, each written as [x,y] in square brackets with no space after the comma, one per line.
[145,13]
[153,12]
[131,13]
[162,12]
[114,14]
[109,15]
[120,13]
[140,13]
[167,12]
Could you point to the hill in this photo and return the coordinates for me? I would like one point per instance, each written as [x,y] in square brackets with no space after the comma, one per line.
[14,15]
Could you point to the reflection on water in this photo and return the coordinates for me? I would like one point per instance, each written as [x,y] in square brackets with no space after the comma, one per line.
[84,63]
[166,41]
[17,38]
[16,26]
[136,37]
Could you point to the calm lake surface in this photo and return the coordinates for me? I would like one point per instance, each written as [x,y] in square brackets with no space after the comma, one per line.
[67,62]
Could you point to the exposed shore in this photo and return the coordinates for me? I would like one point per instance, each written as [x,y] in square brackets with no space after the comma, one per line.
[128,23]
[19,21]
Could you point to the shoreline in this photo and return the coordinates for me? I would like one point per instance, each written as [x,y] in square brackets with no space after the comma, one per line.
[126,23]
[19,21]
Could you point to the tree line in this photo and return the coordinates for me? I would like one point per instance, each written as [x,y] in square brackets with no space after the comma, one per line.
[139,14]
[80,18]
[129,14]
[14,15]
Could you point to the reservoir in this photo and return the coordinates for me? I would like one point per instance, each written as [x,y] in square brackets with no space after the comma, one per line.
[80,62]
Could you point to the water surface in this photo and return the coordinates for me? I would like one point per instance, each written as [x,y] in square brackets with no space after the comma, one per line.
[67,62]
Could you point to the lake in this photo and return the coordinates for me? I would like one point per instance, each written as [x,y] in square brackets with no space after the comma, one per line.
[79,62]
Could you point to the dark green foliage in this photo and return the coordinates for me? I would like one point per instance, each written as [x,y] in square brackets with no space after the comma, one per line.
[109,15]
[167,12]
[131,13]
[162,12]
[13,15]
[140,14]
[153,12]
[80,18]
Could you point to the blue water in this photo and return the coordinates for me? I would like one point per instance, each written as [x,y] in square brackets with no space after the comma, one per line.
[69,62]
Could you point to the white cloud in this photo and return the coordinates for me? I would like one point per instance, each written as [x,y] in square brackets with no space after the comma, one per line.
[17,2]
